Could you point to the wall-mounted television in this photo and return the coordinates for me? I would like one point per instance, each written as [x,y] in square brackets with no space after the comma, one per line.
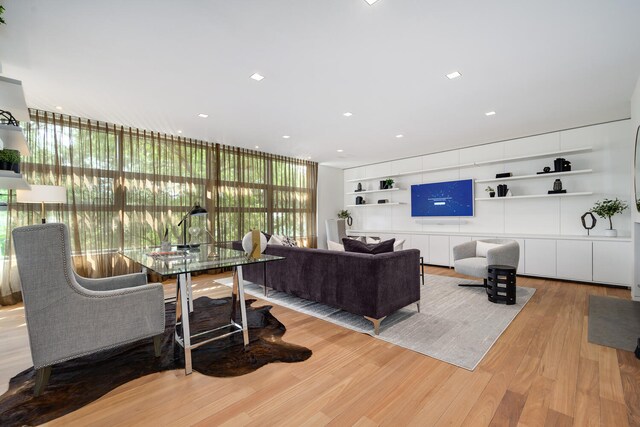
[451,198]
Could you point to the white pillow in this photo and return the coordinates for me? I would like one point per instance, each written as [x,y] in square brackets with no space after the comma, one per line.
[483,247]
[333,246]
[373,240]
[397,246]
[275,240]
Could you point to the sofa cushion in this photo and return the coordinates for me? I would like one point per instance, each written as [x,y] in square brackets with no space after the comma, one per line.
[483,247]
[288,241]
[275,240]
[363,248]
[397,246]
[333,246]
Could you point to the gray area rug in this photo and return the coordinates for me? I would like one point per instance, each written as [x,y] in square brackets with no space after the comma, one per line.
[457,325]
[614,322]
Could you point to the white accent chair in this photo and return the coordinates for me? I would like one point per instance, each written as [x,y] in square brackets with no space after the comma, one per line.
[473,258]
[336,230]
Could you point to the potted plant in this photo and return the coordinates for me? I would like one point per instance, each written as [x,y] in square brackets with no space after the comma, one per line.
[345,215]
[5,160]
[607,209]
[387,184]
[14,160]
[491,191]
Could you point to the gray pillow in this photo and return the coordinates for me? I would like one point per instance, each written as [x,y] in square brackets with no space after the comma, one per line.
[351,245]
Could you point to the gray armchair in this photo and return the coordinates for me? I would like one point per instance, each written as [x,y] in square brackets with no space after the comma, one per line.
[69,316]
[471,260]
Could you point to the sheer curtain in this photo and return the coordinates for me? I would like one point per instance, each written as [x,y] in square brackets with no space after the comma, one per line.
[126,186]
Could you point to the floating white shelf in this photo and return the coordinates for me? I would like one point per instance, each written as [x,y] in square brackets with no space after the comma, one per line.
[542,175]
[486,162]
[13,181]
[374,191]
[12,97]
[366,205]
[12,138]
[534,196]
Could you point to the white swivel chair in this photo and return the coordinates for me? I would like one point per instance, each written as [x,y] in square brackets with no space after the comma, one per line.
[473,258]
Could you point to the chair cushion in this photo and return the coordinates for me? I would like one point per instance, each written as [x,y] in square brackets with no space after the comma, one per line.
[483,247]
[363,248]
[476,267]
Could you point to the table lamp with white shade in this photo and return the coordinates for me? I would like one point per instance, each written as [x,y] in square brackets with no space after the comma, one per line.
[43,194]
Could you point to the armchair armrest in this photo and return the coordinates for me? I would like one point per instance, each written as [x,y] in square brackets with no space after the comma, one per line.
[507,254]
[464,250]
[112,283]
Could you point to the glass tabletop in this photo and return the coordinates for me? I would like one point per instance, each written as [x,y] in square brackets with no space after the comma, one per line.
[205,257]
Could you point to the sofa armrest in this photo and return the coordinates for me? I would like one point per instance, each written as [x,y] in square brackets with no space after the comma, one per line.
[464,250]
[112,283]
[507,254]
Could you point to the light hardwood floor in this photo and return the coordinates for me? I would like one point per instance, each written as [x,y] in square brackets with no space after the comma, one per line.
[541,372]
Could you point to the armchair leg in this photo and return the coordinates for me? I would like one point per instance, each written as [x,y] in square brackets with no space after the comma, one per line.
[376,323]
[157,345]
[418,306]
[42,378]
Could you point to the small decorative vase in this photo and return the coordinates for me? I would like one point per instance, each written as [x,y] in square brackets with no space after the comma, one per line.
[382,185]
[611,232]
[557,185]
[359,187]
[492,194]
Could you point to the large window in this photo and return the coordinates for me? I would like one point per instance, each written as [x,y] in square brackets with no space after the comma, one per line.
[126,185]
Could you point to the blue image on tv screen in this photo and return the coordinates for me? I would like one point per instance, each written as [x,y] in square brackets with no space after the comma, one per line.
[452,198]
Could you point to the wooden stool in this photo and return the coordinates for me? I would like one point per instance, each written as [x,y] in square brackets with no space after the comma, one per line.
[501,284]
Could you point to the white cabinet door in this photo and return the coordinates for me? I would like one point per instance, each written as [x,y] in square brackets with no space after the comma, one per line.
[455,241]
[612,262]
[540,257]
[421,242]
[439,250]
[574,260]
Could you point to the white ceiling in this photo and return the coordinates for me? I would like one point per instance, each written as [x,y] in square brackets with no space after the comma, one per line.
[541,65]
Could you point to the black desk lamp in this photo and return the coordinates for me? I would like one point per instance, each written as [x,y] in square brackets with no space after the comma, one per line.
[196,210]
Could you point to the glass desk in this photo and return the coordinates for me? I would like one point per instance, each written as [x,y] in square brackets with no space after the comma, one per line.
[184,262]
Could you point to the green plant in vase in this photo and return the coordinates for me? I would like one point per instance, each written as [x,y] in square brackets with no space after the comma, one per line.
[346,215]
[607,209]
[491,191]
[388,183]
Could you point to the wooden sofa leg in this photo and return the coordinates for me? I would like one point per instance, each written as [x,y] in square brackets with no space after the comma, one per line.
[157,345]
[42,378]
[376,323]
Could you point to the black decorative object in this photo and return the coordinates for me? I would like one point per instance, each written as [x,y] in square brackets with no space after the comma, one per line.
[492,194]
[382,201]
[502,190]
[349,221]
[557,187]
[6,118]
[196,210]
[382,185]
[584,222]
[359,200]
[503,175]
[561,165]
[545,169]
[359,187]
[501,284]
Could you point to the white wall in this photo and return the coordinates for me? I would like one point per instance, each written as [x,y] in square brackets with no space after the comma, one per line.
[330,189]
[611,149]
[635,122]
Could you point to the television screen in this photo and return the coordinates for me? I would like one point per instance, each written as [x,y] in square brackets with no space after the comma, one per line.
[451,198]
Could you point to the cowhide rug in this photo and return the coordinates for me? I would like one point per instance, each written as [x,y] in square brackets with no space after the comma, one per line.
[77,382]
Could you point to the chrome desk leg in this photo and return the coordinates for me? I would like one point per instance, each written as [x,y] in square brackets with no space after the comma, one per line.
[238,291]
[190,291]
[182,309]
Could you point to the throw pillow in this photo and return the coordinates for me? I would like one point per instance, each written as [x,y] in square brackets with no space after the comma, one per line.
[288,241]
[364,248]
[373,240]
[483,247]
[275,240]
[358,238]
[333,246]
[398,245]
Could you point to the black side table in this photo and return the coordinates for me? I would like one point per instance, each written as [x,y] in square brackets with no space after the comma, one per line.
[501,284]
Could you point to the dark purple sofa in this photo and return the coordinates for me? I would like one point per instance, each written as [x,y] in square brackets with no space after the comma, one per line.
[373,286]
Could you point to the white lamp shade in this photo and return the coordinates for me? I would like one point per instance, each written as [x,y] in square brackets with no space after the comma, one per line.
[43,194]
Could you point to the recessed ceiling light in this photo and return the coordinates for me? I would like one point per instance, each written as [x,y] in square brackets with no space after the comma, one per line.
[179,131]
[58,107]
[257,146]
[204,116]
[257,77]
[490,113]
[340,151]
[371,1]
[308,157]
[400,136]
[347,114]
[286,136]
[454,75]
